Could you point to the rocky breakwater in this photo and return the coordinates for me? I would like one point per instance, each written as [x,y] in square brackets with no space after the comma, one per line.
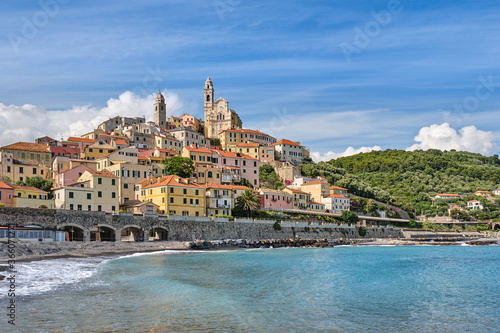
[272,243]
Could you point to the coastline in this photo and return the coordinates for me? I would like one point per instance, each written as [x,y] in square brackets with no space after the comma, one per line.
[35,251]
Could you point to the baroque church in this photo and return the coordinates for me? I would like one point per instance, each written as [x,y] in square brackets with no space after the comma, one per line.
[218,115]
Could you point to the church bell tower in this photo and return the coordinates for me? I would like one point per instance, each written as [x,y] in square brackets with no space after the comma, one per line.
[160,111]
[208,104]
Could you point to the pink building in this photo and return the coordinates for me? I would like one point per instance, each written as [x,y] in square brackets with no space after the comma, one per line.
[232,161]
[275,199]
[70,176]
[6,194]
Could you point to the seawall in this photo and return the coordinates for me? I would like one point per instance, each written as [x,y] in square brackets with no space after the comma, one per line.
[179,228]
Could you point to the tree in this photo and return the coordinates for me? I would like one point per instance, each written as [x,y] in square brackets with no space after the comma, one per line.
[180,166]
[248,201]
[349,217]
[269,178]
[6,179]
[38,182]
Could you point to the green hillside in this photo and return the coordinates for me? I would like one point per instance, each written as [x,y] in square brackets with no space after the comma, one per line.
[408,179]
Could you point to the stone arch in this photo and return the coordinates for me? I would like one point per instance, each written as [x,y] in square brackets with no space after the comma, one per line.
[158,233]
[73,232]
[103,233]
[132,233]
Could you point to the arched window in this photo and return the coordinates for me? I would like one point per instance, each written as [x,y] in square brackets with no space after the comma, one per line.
[208,98]
[209,174]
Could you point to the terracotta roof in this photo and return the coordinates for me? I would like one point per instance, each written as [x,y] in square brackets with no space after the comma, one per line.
[286,142]
[102,173]
[173,180]
[455,207]
[5,186]
[114,136]
[28,146]
[337,188]
[315,182]
[297,191]
[317,203]
[336,196]
[198,150]
[233,154]
[448,195]
[28,188]
[218,186]
[72,138]
[237,187]
[120,142]
[474,201]
[249,144]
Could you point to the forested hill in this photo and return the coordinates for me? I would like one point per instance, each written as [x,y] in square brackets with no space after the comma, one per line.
[407,179]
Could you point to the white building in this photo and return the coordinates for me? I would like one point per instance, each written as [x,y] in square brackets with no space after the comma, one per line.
[286,150]
[474,205]
[336,203]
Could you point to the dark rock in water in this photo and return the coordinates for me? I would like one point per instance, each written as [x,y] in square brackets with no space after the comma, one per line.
[2,277]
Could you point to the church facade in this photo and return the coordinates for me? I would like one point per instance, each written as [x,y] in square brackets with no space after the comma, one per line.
[218,116]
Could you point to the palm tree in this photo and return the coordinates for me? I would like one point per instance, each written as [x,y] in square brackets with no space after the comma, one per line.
[248,201]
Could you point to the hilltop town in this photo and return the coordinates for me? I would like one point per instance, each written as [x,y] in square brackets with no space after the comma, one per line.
[119,167]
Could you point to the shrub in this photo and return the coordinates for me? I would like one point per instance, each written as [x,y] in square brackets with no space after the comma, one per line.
[277,226]
[362,231]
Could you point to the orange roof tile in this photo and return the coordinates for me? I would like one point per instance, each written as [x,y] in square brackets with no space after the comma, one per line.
[286,142]
[337,188]
[173,180]
[336,196]
[448,195]
[317,203]
[28,188]
[102,173]
[5,186]
[233,154]
[72,138]
[114,136]
[198,150]
[248,144]
[28,146]
[297,191]
[237,187]
[120,142]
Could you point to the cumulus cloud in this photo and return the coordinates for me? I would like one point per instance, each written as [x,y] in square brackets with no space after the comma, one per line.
[317,157]
[28,122]
[444,137]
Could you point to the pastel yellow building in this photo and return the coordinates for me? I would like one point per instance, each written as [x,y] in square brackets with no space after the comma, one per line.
[220,199]
[98,149]
[94,191]
[31,197]
[301,199]
[317,207]
[233,136]
[318,189]
[250,148]
[175,195]
[18,170]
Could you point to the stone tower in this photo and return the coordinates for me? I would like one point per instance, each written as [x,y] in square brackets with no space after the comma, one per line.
[209,103]
[160,111]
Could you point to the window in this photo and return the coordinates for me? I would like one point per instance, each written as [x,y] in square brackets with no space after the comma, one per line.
[79,207]
[197,214]
[34,171]
[197,201]
[163,200]
[89,208]
[209,174]
[99,194]
[171,190]
[99,180]
[21,170]
[113,181]
[99,208]
[100,151]
[190,201]
[184,191]
[185,201]
[91,150]
[32,156]
[8,169]
[71,207]
[171,200]
[89,196]
[125,185]
[71,195]
[113,208]
[113,195]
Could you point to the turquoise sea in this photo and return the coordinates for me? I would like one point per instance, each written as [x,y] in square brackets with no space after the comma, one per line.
[341,289]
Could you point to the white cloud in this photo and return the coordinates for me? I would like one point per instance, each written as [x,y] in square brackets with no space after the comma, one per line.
[317,157]
[444,137]
[28,122]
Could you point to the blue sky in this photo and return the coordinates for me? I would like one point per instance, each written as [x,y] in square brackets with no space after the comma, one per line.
[282,66]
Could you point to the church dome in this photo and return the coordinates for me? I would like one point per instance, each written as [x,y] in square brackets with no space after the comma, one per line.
[159,96]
